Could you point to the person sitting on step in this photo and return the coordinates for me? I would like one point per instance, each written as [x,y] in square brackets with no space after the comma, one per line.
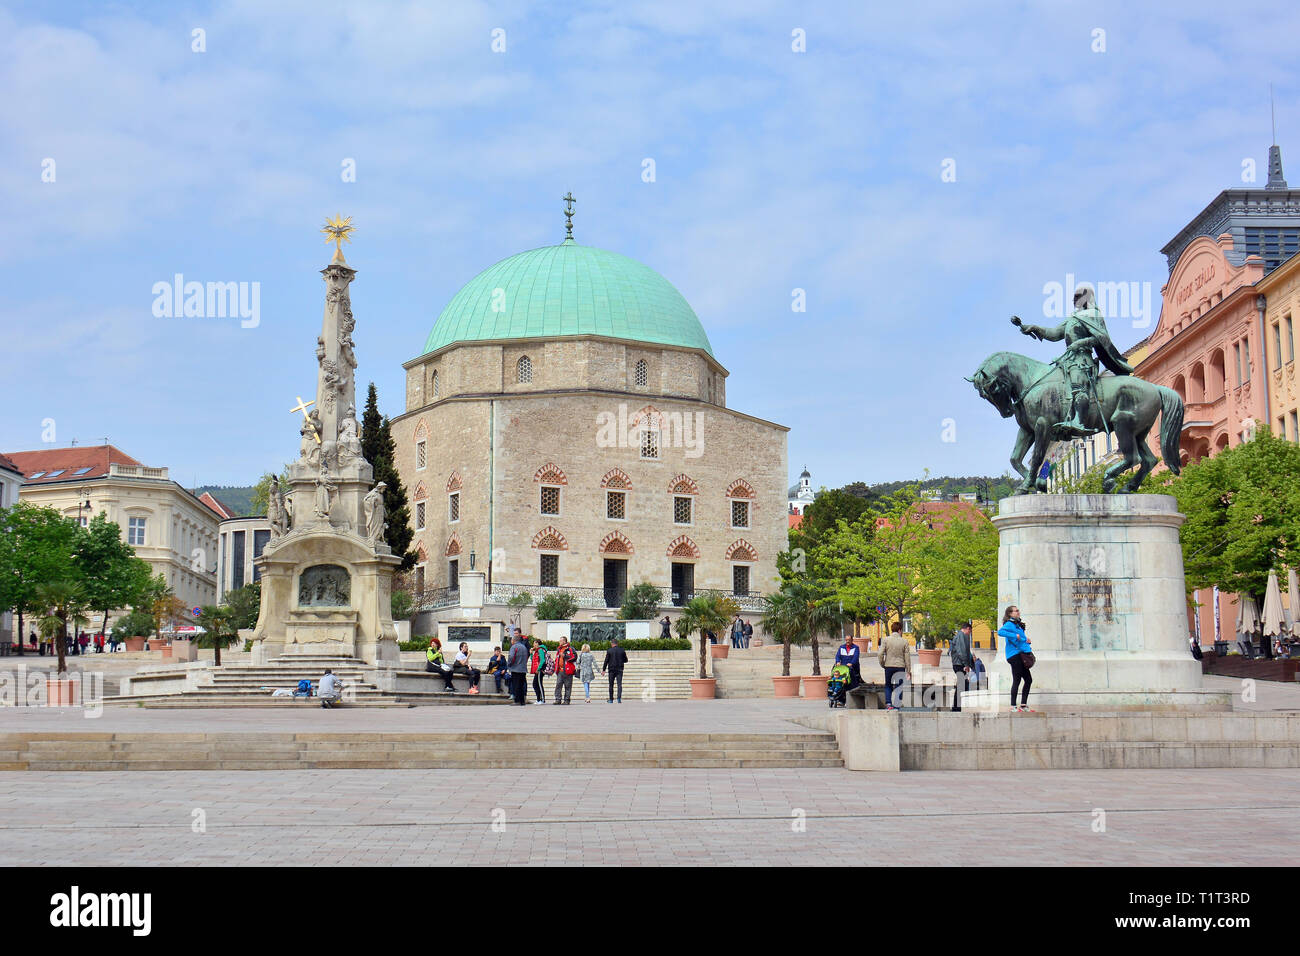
[437,664]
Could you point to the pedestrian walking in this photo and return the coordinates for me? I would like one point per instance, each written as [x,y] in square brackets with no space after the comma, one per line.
[748,633]
[896,659]
[615,661]
[83,639]
[1020,655]
[537,667]
[517,664]
[566,659]
[587,670]
[99,643]
[963,662]
[6,642]
[737,633]
[665,628]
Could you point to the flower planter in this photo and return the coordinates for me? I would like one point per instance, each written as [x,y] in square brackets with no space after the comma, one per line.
[786,686]
[135,643]
[157,643]
[930,658]
[61,693]
[719,651]
[704,688]
[814,686]
[863,643]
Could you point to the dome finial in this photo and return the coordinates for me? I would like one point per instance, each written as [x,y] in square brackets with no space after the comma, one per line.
[568,216]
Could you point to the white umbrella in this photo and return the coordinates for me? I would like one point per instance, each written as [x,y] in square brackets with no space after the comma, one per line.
[1293,596]
[1247,614]
[1273,622]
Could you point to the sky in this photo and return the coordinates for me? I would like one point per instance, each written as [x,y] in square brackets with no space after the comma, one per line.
[920,172]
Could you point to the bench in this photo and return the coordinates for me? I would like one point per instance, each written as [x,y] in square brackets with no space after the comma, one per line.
[928,695]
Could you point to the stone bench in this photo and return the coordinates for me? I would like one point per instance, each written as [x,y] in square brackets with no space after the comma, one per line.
[927,695]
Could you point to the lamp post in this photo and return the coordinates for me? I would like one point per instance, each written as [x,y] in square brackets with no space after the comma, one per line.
[83,496]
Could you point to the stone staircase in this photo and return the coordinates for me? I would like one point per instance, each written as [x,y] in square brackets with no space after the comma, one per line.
[473,751]
[251,685]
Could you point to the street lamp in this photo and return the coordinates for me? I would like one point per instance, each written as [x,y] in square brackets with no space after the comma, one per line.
[83,495]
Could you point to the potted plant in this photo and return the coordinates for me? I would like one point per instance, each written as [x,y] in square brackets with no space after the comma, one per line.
[705,612]
[219,630]
[779,621]
[928,653]
[132,629]
[720,650]
[65,602]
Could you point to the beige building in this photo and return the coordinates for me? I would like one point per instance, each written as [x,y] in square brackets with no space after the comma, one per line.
[168,527]
[566,427]
[242,541]
[1281,292]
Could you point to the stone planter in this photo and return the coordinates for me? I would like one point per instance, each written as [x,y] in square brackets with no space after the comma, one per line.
[61,693]
[157,643]
[134,643]
[929,658]
[719,651]
[814,686]
[863,644]
[705,688]
[786,686]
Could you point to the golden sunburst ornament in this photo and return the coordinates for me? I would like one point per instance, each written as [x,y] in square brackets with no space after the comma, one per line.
[338,231]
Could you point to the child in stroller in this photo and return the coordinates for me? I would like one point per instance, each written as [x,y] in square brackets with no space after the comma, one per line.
[841,675]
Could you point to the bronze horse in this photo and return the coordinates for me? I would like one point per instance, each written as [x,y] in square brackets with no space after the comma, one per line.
[1037,394]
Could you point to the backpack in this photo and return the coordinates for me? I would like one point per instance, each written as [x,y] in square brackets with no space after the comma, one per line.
[549,669]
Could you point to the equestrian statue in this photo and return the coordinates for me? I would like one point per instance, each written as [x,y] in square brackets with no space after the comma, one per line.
[1068,398]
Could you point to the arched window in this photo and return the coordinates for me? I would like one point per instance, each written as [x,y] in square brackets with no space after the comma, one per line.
[435,384]
[642,373]
[524,370]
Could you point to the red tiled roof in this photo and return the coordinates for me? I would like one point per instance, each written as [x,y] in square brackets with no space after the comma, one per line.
[217,505]
[61,464]
[7,465]
[795,520]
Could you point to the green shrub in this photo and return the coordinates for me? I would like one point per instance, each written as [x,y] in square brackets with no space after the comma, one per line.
[135,624]
[641,603]
[248,645]
[419,642]
[559,606]
[402,605]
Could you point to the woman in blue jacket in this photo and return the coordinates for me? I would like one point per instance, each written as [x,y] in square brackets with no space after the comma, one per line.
[1015,643]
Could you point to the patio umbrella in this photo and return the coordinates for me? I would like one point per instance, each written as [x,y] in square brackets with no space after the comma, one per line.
[1273,622]
[1247,615]
[1293,596]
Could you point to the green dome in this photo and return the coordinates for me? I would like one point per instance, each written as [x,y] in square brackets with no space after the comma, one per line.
[569,290]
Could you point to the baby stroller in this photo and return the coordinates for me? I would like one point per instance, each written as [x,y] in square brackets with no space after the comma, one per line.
[838,684]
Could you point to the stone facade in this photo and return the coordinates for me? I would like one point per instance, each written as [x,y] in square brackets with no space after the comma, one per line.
[495,442]
[242,541]
[1281,289]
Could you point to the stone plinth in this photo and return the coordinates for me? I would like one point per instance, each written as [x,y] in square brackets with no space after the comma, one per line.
[1099,583]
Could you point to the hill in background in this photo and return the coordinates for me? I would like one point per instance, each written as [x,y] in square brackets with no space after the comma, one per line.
[235,497]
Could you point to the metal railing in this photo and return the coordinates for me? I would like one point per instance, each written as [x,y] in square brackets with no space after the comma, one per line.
[431,599]
[750,602]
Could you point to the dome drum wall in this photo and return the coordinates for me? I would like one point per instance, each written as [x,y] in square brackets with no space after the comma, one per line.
[474,368]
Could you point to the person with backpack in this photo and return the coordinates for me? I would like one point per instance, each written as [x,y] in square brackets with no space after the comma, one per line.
[537,667]
[461,666]
[586,670]
[566,659]
[963,662]
[435,663]
[1020,655]
[615,661]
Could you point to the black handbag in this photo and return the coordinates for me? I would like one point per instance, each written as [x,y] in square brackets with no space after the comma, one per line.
[1027,658]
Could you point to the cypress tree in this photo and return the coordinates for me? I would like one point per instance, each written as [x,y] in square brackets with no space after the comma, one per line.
[379,449]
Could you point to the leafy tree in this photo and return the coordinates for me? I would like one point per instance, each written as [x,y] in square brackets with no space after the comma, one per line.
[245,604]
[379,449]
[557,606]
[823,517]
[36,546]
[1243,514]
[878,559]
[65,603]
[260,497]
[401,604]
[517,605]
[959,577]
[135,624]
[114,577]
[640,603]
[217,622]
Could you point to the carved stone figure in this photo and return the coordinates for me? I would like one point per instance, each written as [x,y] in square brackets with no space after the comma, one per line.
[324,495]
[310,432]
[372,506]
[276,511]
[349,445]
[320,349]
[345,352]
